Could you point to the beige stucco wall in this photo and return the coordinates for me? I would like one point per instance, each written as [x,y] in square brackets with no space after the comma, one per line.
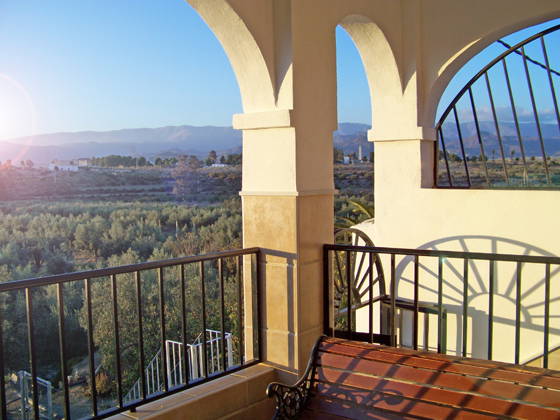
[495,221]
[284,56]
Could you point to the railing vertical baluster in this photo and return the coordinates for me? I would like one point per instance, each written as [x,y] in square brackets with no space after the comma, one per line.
[3,409]
[465,304]
[497,126]
[151,388]
[32,356]
[327,293]
[259,272]
[162,329]
[370,319]
[158,377]
[546,315]
[516,120]
[440,305]
[184,325]
[536,114]
[552,88]
[173,364]
[440,131]
[91,348]
[238,268]
[416,303]
[393,303]
[462,144]
[223,312]
[62,344]
[479,136]
[203,302]
[491,308]
[517,311]
[212,368]
[349,291]
[139,314]
[114,298]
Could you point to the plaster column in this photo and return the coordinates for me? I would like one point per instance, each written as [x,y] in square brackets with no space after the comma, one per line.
[404,165]
[290,221]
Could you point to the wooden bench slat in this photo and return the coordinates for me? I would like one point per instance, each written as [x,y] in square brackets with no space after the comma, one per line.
[449,358]
[372,386]
[318,415]
[414,361]
[389,400]
[442,379]
[326,406]
[357,380]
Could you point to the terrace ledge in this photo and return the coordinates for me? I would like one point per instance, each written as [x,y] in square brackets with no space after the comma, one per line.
[239,395]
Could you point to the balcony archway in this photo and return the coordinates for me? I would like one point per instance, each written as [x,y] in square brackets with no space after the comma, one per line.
[250,66]
[380,66]
[498,119]
[462,55]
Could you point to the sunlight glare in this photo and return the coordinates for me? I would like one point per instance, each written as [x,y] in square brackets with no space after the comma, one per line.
[17,113]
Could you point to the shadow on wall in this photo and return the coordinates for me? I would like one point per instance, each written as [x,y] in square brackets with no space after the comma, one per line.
[508,291]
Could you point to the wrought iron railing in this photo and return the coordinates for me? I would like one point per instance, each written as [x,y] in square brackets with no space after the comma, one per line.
[492,135]
[197,298]
[495,306]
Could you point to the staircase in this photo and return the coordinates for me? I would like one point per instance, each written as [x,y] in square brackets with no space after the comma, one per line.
[45,391]
[175,353]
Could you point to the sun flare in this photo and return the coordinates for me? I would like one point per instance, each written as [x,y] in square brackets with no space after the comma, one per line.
[17,113]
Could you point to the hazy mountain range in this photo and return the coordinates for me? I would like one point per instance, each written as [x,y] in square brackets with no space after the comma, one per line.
[173,141]
[508,132]
[150,143]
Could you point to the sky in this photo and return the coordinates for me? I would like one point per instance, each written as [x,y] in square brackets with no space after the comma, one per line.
[129,64]
[136,63]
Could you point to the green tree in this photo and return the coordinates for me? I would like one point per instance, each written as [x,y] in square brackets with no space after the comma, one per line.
[338,155]
[212,157]
[355,212]
[186,176]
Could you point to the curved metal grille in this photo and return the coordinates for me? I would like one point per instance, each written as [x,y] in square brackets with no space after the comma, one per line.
[502,130]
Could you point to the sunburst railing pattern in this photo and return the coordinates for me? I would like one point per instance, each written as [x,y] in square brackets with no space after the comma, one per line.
[471,304]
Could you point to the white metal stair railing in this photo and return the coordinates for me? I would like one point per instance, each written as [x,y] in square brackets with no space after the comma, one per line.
[175,370]
[45,388]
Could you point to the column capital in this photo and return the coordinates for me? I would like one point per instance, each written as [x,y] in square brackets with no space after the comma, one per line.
[288,193]
[278,118]
[414,134]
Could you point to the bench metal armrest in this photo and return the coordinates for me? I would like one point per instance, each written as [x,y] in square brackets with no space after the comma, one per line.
[292,399]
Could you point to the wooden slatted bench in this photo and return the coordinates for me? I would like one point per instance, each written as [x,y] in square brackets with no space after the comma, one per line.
[353,380]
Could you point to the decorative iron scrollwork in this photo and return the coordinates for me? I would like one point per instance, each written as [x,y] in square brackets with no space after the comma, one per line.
[291,400]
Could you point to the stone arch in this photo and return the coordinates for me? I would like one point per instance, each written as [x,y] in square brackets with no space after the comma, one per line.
[449,69]
[244,54]
[380,65]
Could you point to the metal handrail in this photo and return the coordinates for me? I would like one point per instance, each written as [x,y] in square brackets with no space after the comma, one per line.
[123,269]
[28,286]
[341,323]
[448,254]
[451,110]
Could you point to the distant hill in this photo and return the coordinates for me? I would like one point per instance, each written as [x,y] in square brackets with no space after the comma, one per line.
[148,142]
[173,141]
[529,133]
[151,142]
[350,136]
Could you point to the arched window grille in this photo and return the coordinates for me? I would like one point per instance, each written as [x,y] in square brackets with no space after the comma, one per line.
[502,130]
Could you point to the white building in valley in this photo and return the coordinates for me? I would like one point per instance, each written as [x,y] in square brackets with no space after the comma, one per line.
[63,165]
